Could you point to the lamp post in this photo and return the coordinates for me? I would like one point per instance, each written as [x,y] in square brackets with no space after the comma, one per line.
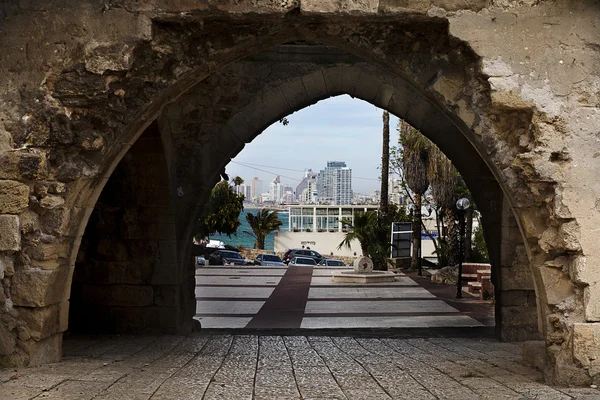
[462,205]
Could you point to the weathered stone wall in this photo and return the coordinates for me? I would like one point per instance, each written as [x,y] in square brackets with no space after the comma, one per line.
[514,84]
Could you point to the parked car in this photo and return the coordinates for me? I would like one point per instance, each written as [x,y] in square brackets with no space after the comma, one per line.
[268,259]
[307,253]
[329,262]
[226,257]
[303,262]
[200,260]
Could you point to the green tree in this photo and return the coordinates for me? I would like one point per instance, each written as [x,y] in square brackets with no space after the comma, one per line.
[263,223]
[363,230]
[222,212]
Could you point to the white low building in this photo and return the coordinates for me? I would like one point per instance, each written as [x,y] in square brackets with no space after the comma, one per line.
[320,227]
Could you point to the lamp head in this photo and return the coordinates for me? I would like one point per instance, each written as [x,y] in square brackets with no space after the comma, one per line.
[463,203]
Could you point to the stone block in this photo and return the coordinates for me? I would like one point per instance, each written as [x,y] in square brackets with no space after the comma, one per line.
[354,7]
[52,201]
[586,346]
[7,266]
[350,79]
[334,78]
[14,197]
[557,285]
[23,164]
[55,221]
[367,87]
[456,5]
[295,94]
[7,341]
[10,234]
[591,300]
[402,6]
[383,96]
[315,86]
[516,277]
[45,351]
[40,288]
[30,221]
[44,320]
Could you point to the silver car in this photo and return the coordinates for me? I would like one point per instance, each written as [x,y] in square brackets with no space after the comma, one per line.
[271,260]
[328,262]
[303,262]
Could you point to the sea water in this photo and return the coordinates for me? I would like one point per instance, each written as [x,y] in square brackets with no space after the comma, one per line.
[241,238]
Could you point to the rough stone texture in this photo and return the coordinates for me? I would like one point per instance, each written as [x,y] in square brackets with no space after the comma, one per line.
[10,237]
[446,275]
[509,91]
[14,197]
[586,348]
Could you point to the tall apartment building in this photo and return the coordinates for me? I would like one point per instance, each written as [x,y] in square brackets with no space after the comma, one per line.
[256,189]
[334,184]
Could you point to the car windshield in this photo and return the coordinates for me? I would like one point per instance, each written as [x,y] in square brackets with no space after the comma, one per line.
[268,257]
[230,254]
[303,260]
[336,263]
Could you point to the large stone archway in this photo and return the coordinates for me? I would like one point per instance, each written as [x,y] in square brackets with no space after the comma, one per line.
[75,103]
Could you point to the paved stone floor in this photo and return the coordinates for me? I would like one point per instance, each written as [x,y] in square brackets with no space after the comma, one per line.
[282,367]
[307,298]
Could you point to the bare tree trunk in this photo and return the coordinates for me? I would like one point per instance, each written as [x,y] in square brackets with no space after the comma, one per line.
[468,233]
[416,228]
[452,241]
[385,167]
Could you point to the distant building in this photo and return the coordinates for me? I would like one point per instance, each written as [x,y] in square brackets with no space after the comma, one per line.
[256,189]
[334,184]
[246,191]
[309,177]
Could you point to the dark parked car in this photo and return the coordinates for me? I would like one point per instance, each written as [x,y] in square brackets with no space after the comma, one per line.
[269,259]
[328,262]
[303,262]
[226,257]
[308,253]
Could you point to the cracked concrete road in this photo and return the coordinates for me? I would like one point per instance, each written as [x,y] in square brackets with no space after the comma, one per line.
[282,367]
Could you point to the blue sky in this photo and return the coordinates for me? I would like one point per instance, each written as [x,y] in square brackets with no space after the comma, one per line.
[336,129]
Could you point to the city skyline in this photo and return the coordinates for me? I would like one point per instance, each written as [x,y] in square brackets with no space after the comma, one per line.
[338,128]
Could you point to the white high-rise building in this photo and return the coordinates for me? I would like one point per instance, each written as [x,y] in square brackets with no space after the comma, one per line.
[334,185]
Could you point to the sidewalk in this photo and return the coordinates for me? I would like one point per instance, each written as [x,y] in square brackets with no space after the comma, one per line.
[236,367]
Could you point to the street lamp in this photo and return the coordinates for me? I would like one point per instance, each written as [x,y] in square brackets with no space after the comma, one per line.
[462,205]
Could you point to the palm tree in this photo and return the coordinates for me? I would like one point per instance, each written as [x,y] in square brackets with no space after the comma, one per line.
[263,223]
[415,160]
[362,230]
[237,181]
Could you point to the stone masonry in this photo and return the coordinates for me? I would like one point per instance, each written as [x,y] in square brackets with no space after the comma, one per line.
[103,95]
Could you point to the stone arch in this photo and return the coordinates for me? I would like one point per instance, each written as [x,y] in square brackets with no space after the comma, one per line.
[113,72]
[516,320]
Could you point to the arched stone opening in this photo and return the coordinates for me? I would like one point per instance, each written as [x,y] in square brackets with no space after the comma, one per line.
[127,274]
[110,78]
[218,130]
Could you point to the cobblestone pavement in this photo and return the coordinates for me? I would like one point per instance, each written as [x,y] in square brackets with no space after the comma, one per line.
[282,367]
